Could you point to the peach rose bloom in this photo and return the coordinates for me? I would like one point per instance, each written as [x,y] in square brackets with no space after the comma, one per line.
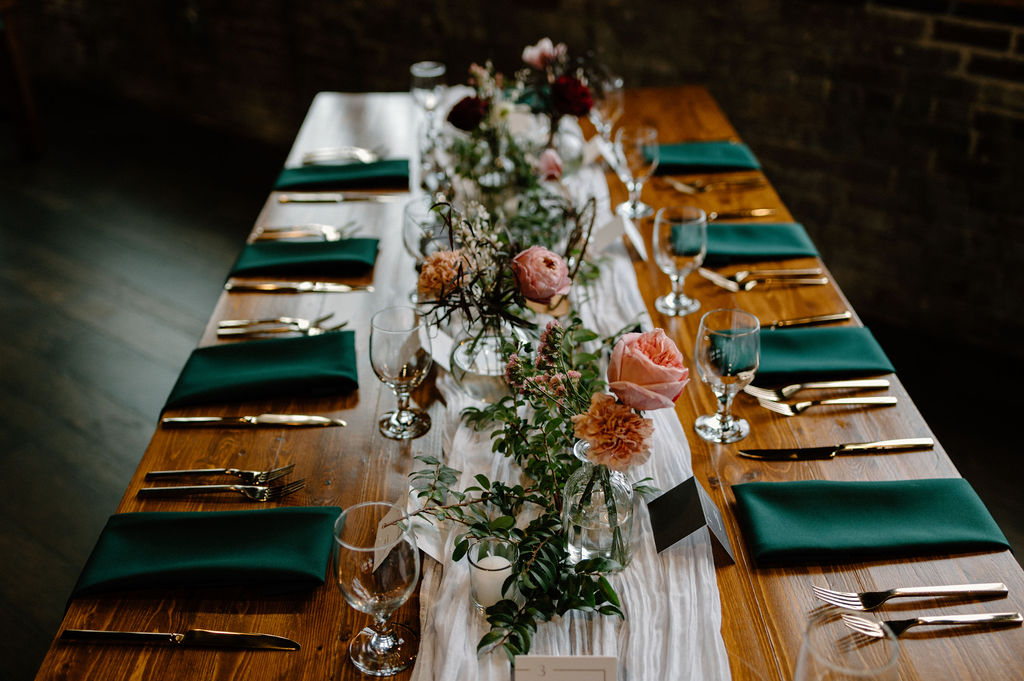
[543,53]
[646,370]
[442,272]
[541,274]
[618,436]
[549,166]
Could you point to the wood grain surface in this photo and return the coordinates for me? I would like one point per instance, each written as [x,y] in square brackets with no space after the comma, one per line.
[765,609]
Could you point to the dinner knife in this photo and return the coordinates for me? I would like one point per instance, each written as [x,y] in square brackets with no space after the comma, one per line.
[190,639]
[334,197]
[293,287]
[740,214]
[809,321]
[816,453]
[271,420]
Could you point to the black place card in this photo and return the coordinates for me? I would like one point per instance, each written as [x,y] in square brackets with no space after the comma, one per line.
[683,510]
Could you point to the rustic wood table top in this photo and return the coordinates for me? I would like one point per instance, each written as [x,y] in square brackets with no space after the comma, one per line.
[764,609]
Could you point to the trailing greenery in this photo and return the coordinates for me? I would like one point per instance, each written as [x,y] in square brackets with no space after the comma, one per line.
[533,427]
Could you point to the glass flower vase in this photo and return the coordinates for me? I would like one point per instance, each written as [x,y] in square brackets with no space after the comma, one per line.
[477,362]
[598,512]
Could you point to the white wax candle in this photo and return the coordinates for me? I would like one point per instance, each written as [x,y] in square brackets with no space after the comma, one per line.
[488,574]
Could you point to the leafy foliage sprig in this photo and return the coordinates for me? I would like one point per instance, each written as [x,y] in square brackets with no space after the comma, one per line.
[551,382]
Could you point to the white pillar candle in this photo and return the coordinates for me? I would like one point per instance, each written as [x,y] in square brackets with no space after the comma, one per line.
[486,577]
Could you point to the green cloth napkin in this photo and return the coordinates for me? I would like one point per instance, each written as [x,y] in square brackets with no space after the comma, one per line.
[705,156]
[344,258]
[745,241]
[279,367]
[818,520]
[389,173]
[279,549]
[797,354]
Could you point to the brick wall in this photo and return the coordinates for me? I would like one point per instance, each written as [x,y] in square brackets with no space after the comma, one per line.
[892,129]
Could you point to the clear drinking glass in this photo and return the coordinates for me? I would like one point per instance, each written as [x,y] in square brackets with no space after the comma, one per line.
[680,244]
[400,356]
[427,84]
[831,651]
[490,563]
[636,158]
[609,102]
[377,566]
[726,354]
[423,232]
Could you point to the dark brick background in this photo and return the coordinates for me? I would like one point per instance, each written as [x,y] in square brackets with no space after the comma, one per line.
[893,130]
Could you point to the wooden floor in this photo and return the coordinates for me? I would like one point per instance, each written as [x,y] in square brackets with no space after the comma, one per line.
[113,248]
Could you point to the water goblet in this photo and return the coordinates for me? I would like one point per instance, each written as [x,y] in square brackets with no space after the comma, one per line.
[400,356]
[680,244]
[609,102]
[377,565]
[726,354]
[636,158]
[423,232]
[427,85]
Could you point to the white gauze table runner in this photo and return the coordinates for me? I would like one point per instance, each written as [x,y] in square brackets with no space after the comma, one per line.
[672,610]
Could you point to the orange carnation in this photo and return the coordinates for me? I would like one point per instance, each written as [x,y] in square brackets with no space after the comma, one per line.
[442,272]
[618,437]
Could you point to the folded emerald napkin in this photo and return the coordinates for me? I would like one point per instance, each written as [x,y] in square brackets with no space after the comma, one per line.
[744,241]
[820,352]
[279,367]
[705,156]
[818,520]
[388,173]
[279,549]
[344,258]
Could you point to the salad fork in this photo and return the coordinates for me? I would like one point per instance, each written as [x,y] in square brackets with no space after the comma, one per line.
[869,600]
[800,407]
[700,186]
[247,477]
[874,629]
[785,392]
[254,492]
[742,275]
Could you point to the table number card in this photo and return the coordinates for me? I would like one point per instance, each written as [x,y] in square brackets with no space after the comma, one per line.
[611,231]
[683,510]
[565,668]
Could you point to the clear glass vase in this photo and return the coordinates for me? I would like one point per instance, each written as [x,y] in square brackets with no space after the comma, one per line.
[477,363]
[597,512]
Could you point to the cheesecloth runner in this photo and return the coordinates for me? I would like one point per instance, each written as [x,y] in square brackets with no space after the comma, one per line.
[672,611]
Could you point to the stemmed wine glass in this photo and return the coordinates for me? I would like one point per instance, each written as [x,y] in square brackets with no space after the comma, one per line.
[636,158]
[609,102]
[680,244]
[726,354]
[377,566]
[400,356]
[423,232]
[427,88]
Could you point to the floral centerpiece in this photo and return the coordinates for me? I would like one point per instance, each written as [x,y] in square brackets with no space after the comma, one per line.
[552,85]
[558,396]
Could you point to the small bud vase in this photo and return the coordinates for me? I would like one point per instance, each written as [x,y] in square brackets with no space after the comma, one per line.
[598,512]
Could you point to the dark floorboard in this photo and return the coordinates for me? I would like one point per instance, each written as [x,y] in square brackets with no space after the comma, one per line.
[113,248]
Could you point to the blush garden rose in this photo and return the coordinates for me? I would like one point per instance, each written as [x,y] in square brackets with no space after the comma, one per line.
[541,274]
[646,370]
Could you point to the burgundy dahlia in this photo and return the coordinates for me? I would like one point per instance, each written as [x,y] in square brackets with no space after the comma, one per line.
[570,96]
[467,113]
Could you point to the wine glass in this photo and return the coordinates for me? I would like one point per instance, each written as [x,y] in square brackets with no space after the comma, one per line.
[726,354]
[377,566]
[609,102]
[400,356]
[680,244]
[423,232]
[636,158]
[427,89]
[831,651]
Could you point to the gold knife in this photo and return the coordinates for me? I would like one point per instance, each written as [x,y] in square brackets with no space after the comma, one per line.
[817,453]
[191,638]
[740,214]
[292,287]
[271,420]
[809,321]
[335,197]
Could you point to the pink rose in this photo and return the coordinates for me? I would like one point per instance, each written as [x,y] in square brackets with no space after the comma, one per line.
[543,53]
[646,370]
[541,274]
[550,165]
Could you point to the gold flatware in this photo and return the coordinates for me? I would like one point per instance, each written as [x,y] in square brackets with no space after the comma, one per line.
[809,321]
[740,214]
[307,231]
[254,492]
[191,638]
[873,629]
[247,477]
[787,391]
[743,275]
[820,453]
[801,407]
[343,153]
[335,197]
[292,287]
[700,186]
[750,284]
[262,420]
[869,600]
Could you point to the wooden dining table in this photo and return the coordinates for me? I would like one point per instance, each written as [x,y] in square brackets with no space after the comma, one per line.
[764,609]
